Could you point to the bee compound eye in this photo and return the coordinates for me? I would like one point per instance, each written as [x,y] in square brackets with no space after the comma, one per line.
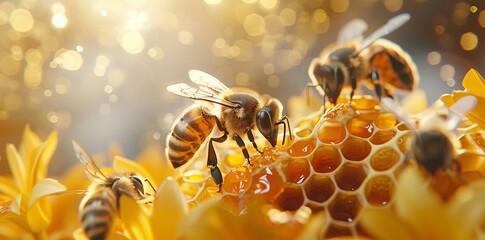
[264,122]
[138,183]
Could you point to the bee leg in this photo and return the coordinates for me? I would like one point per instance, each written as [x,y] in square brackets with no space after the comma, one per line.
[212,160]
[151,185]
[282,121]
[251,139]
[375,80]
[241,144]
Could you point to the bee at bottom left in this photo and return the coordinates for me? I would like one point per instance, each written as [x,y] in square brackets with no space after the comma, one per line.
[100,207]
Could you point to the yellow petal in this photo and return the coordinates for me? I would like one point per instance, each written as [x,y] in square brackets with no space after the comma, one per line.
[16,204]
[169,203]
[44,156]
[135,219]
[382,223]
[78,234]
[121,164]
[156,163]
[39,215]
[418,206]
[45,187]
[17,167]
[7,187]
[473,82]
[28,146]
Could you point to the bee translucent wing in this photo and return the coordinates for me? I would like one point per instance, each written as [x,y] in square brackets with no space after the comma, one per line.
[207,81]
[461,108]
[90,167]
[393,107]
[353,30]
[201,93]
[391,25]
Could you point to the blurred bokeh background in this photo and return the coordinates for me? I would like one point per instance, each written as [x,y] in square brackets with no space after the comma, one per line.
[96,70]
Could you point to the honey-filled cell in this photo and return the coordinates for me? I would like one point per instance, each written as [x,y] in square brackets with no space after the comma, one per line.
[237,181]
[302,133]
[385,121]
[382,136]
[345,207]
[302,148]
[350,176]
[360,128]
[384,159]
[403,142]
[332,131]
[326,159]
[297,170]
[319,188]
[290,199]
[267,183]
[379,190]
[356,149]
[363,103]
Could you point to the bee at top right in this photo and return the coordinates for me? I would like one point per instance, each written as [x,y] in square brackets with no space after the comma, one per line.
[372,60]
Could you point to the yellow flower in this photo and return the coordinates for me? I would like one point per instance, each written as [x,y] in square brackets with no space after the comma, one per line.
[420,213]
[475,86]
[24,192]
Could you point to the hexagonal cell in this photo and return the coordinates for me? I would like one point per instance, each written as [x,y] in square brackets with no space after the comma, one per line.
[290,199]
[350,176]
[382,136]
[403,127]
[356,149]
[360,128]
[326,159]
[237,181]
[302,148]
[335,231]
[379,190]
[363,103]
[319,188]
[302,133]
[268,183]
[297,170]
[403,142]
[332,131]
[385,121]
[345,207]
[384,159]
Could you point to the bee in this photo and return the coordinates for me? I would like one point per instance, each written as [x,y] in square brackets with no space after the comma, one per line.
[235,112]
[354,60]
[432,147]
[100,206]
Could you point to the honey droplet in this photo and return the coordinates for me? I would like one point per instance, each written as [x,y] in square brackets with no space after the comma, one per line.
[297,170]
[360,128]
[345,207]
[350,176]
[302,148]
[326,159]
[237,181]
[381,137]
[267,183]
[319,188]
[384,159]
[290,199]
[356,149]
[331,131]
[379,190]
[337,231]
[385,121]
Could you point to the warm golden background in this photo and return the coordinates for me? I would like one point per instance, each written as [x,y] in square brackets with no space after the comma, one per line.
[97,70]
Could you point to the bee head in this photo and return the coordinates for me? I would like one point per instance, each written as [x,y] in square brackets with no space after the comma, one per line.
[138,185]
[331,77]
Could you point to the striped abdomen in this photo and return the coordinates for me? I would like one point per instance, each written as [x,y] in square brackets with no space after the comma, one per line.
[98,209]
[188,133]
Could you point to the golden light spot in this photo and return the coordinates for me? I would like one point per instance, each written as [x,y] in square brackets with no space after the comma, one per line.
[34,57]
[186,37]
[320,21]
[481,19]
[439,29]
[254,25]
[53,117]
[339,6]
[17,53]
[132,42]
[21,20]
[99,70]
[460,13]
[434,58]
[9,66]
[446,72]
[450,82]
[156,53]
[268,4]
[79,48]
[47,92]
[113,98]
[156,136]
[108,89]
[242,79]
[58,8]
[12,102]
[32,76]
[116,77]
[61,88]
[59,20]
[70,60]
[102,60]
[287,17]
[219,43]
[104,109]
[245,50]
[273,81]
[212,2]
[320,16]
[473,9]
[393,5]
[104,13]
[468,41]
[268,68]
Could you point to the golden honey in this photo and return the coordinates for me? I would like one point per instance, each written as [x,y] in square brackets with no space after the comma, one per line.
[350,176]
[384,159]
[382,136]
[297,170]
[379,190]
[385,121]
[360,128]
[302,148]
[356,149]
[332,131]
[326,159]
[319,188]
[291,198]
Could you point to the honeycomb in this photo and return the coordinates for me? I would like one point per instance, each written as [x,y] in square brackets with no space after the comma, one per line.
[337,162]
